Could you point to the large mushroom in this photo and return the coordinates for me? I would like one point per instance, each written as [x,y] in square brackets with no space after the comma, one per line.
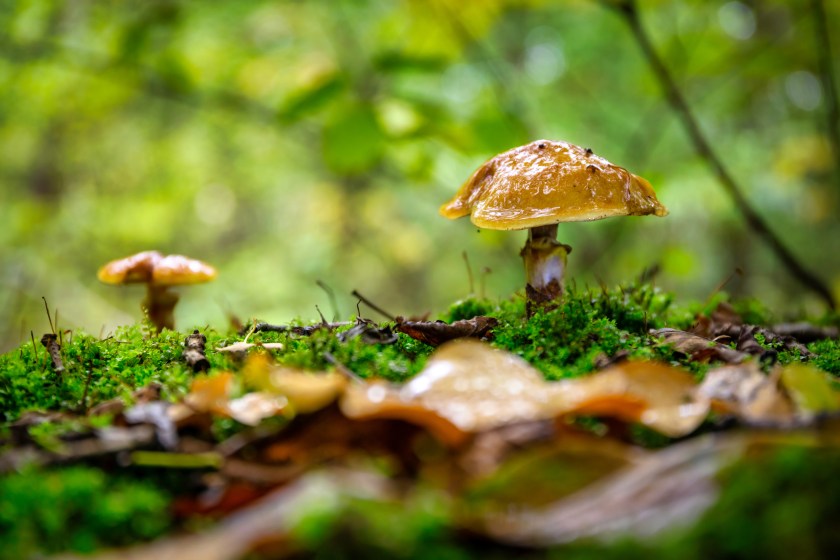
[539,185]
[159,273]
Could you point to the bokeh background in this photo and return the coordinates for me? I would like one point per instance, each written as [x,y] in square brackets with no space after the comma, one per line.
[288,142]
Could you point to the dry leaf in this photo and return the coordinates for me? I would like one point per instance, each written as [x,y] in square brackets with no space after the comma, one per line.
[252,408]
[212,394]
[307,391]
[745,391]
[435,333]
[699,348]
[473,388]
[652,393]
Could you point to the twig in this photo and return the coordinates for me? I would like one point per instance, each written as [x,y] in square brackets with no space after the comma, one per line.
[372,305]
[630,13]
[303,330]
[49,318]
[826,64]
[331,296]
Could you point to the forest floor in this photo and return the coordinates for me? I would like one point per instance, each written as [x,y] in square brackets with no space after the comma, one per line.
[616,424]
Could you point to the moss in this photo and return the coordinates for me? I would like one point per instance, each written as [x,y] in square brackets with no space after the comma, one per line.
[395,362]
[827,355]
[79,509]
[565,341]
[562,342]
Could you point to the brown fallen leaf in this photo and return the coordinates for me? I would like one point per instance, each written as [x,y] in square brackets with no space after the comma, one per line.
[435,333]
[699,348]
[657,395]
[467,386]
[746,392]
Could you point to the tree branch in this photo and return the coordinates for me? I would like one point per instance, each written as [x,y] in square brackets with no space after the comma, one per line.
[630,13]
[825,61]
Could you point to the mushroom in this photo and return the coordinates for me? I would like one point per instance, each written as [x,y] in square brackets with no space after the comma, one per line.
[159,273]
[537,186]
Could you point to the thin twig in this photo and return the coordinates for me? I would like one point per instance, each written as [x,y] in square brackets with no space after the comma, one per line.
[826,64]
[630,13]
[331,296]
[372,305]
[49,318]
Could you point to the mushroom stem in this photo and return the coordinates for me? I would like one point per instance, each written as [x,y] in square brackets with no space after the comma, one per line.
[545,264]
[160,306]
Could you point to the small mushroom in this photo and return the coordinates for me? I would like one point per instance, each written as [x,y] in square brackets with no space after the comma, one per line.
[159,273]
[539,185]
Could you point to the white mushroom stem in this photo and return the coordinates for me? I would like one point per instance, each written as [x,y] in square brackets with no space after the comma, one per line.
[160,306]
[545,265]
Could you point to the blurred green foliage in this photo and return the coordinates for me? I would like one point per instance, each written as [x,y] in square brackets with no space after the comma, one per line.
[287,142]
[77,509]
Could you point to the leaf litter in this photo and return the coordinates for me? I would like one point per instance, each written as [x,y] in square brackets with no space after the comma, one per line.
[471,417]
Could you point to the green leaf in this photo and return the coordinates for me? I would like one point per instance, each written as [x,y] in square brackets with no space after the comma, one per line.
[809,388]
[309,100]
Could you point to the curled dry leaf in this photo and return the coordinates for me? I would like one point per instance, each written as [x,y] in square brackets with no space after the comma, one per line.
[435,333]
[793,394]
[652,393]
[467,386]
[699,348]
[746,392]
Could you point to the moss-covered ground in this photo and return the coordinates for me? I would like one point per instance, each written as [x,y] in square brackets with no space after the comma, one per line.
[790,496]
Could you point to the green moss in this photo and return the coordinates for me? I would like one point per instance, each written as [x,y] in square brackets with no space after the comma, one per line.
[562,342]
[565,341]
[395,362]
[77,509]
[827,355]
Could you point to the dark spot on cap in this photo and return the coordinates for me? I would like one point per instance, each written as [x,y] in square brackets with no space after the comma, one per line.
[589,151]
[541,146]
[592,168]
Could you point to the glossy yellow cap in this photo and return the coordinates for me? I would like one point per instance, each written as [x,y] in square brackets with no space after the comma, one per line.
[547,182]
[151,267]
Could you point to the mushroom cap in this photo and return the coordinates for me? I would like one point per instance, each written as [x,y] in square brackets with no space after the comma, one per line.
[151,267]
[173,270]
[130,270]
[547,182]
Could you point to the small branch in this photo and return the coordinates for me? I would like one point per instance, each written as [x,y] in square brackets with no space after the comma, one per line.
[331,295]
[825,61]
[305,330]
[372,305]
[629,12]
